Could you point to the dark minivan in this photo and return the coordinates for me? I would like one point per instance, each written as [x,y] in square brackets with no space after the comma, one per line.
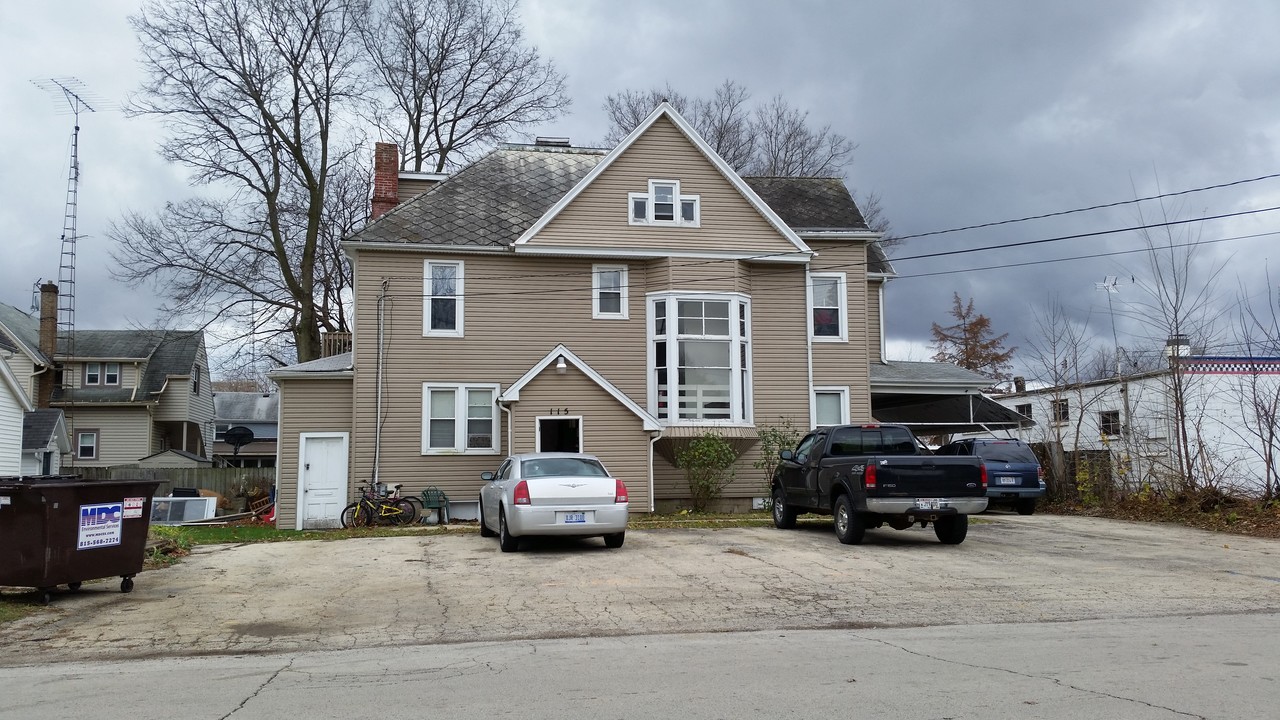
[1014,475]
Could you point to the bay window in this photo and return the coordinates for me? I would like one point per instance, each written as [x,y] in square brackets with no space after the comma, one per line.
[700,358]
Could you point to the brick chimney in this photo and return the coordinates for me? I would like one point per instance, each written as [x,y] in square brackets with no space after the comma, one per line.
[386,178]
[48,341]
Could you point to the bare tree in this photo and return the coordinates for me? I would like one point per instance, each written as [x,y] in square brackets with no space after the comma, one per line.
[970,344]
[1256,394]
[874,215]
[456,76]
[251,93]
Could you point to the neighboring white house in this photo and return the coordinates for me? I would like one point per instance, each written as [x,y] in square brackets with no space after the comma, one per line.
[1232,420]
[44,441]
[14,403]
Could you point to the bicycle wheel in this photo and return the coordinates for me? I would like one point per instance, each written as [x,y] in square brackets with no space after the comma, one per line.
[350,514]
[400,512]
[409,508]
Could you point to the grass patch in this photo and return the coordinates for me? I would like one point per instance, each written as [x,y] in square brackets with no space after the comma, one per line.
[189,536]
[15,605]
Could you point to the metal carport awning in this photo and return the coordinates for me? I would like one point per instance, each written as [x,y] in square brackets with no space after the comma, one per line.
[938,414]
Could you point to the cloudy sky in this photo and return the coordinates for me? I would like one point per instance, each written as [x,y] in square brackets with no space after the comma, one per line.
[964,113]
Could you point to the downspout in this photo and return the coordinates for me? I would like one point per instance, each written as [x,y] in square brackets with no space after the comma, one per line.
[653,439]
[506,408]
[808,341]
[381,367]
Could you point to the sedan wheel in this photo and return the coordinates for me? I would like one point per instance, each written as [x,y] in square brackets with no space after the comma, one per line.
[615,540]
[506,541]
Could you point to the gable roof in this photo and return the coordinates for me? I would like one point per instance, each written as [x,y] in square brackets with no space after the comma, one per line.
[167,353]
[246,407]
[21,331]
[665,110]
[512,393]
[42,426]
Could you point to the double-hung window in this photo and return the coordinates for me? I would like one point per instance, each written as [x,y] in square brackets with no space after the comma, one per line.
[459,419]
[442,299]
[830,406]
[93,373]
[111,374]
[828,307]
[609,292]
[87,445]
[700,358]
[664,205]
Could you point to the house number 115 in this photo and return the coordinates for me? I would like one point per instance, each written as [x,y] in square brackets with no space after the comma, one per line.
[560,411]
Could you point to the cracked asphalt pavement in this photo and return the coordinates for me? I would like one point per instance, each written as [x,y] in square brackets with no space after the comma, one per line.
[299,597]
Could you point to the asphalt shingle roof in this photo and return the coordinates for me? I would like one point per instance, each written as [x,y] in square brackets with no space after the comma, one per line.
[899,371]
[245,407]
[809,203]
[24,327]
[38,427]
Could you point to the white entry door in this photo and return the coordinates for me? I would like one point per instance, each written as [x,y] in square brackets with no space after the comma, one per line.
[322,479]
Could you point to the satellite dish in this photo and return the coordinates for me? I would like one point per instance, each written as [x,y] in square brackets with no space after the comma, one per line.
[237,437]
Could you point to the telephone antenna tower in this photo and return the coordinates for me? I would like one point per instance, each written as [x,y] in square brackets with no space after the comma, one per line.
[71,97]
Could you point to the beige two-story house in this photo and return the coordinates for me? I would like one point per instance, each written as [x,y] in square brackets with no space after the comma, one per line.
[617,302]
[126,395]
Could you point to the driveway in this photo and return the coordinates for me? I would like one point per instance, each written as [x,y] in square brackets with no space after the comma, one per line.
[301,596]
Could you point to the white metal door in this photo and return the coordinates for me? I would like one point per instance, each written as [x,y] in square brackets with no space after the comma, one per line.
[322,479]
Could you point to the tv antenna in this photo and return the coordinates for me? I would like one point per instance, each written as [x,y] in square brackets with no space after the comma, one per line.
[72,97]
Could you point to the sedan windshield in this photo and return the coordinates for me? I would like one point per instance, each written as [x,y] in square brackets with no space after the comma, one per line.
[561,467]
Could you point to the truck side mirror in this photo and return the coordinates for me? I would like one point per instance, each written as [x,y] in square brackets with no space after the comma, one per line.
[786,454]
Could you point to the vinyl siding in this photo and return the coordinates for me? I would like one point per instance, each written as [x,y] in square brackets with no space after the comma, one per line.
[175,402]
[598,217]
[11,412]
[308,406]
[200,407]
[124,434]
[22,368]
[609,430]
[847,364]
[873,322]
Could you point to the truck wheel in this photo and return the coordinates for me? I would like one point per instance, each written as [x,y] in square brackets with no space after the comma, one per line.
[1025,507]
[952,529]
[848,524]
[784,516]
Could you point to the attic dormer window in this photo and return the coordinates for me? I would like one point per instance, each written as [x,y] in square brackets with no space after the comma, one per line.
[664,205]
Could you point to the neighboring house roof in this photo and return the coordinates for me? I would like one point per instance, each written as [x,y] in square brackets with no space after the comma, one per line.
[167,353]
[242,407]
[334,366]
[180,453]
[43,426]
[924,374]
[22,330]
[878,261]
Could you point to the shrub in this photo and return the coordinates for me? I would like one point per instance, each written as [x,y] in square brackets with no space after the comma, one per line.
[783,436]
[707,463]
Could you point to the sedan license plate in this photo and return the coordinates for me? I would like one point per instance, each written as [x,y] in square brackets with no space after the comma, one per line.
[930,503]
[1005,480]
[575,517]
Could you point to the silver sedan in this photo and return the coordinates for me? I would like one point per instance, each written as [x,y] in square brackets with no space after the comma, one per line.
[552,494]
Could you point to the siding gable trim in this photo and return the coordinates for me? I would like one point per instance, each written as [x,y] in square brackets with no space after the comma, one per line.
[665,109]
[512,393]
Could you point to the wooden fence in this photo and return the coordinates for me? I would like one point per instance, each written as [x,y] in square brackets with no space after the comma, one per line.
[230,483]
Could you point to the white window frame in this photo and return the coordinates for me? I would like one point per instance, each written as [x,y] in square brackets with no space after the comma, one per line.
[537,430]
[461,391]
[842,390]
[93,369]
[678,201]
[843,293]
[458,298]
[97,450]
[741,383]
[107,372]
[596,313]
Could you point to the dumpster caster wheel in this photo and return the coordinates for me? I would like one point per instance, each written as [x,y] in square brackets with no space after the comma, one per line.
[45,596]
[73,586]
[126,585]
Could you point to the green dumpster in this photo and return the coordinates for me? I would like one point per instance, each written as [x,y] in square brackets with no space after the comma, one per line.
[61,530]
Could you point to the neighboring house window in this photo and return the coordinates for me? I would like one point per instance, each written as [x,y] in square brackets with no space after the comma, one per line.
[1109,422]
[1023,410]
[664,205]
[442,308]
[1061,410]
[87,444]
[111,374]
[830,406]
[459,419]
[93,373]
[700,358]
[195,380]
[609,292]
[828,306]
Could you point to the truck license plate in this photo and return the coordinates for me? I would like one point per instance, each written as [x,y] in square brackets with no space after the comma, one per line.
[1005,480]
[578,517]
[929,503]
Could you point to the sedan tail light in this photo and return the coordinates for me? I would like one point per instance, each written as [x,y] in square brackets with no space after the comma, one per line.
[619,492]
[869,477]
[522,493]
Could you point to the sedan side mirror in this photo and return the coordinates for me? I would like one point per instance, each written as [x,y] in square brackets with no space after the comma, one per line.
[786,455]
[486,476]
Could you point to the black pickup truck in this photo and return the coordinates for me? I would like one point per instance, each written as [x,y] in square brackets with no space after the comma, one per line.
[866,476]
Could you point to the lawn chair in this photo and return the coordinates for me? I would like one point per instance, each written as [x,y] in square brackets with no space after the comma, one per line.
[433,498]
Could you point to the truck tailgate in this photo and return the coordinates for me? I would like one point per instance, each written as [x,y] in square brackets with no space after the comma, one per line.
[928,476]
